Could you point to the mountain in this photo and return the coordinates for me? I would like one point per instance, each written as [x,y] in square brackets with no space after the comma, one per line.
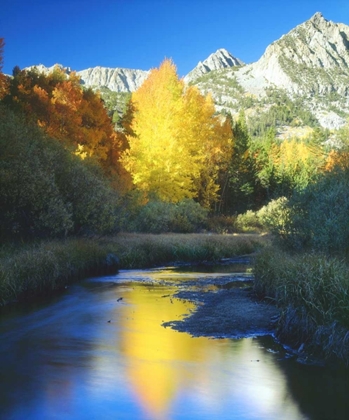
[43,69]
[317,50]
[310,65]
[115,79]
[302,79]
[219,60]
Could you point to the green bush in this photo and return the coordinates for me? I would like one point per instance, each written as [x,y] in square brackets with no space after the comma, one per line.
[318,216]
[274,216]
[94,204]
[154,217]
[189,216]
[47,191]
[248,222]
[160,217]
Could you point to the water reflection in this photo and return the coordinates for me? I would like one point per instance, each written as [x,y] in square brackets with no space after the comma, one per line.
[165,366]
[321,393]
[154,353]
[92,355]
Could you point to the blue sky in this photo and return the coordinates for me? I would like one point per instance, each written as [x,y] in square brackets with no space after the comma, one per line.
[139,34]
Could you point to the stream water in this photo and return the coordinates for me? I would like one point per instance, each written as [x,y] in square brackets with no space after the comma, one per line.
[99,351]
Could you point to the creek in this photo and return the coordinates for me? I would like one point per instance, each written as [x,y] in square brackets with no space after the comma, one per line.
[99,351]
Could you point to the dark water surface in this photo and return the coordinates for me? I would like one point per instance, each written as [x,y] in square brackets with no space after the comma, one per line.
[88,354]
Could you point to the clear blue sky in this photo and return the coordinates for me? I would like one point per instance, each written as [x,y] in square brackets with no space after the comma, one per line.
[139,34]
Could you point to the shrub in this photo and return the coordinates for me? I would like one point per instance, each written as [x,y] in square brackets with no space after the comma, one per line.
[45,190]
[274,215]
[94,204]
[160,217]
[248,222]
[222,224]
[154,217]
[30,199]
[318,216]
[189,216]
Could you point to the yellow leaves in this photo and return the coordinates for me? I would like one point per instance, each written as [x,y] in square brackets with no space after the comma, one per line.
[291,153]
[81,152]
[175,138]
[152,158]
[297,162]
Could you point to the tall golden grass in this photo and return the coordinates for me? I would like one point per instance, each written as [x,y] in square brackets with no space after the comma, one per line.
[312,291]
[146,250]
[33,269]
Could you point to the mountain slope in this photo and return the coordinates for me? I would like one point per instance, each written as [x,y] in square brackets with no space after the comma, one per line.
[115,79]
[305,71]
[312,58]
[219,60]
[310,65]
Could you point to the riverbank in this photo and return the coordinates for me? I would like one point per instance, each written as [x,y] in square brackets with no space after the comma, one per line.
[312,292]
[302,300]
[232,312]
[29,270]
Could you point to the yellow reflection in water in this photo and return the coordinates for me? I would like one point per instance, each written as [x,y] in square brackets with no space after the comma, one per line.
[153,351]
[163,365]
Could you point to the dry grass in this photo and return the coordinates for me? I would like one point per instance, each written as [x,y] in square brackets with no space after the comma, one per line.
[146,250]
[313,292]
[42,268]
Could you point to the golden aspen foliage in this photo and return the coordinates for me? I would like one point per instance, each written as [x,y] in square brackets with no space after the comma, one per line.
[298,161]
[177,144]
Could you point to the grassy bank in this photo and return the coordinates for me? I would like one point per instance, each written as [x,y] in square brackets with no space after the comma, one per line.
[312,291]
[34,269]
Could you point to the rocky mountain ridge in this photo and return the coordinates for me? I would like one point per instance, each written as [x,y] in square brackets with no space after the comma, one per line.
[317,49]
[128,80]
[115,79]
[310,64]
[221,59]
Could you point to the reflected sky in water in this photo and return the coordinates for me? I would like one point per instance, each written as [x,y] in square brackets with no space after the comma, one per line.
[89,354]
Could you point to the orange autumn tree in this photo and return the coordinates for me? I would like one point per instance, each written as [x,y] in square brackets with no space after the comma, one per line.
[67,112]
[176,143]
[338,158]
[3,80]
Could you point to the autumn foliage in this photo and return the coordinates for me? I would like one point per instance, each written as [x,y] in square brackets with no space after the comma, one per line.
[176,143]
[3,80]
[67,112]
[170,155]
